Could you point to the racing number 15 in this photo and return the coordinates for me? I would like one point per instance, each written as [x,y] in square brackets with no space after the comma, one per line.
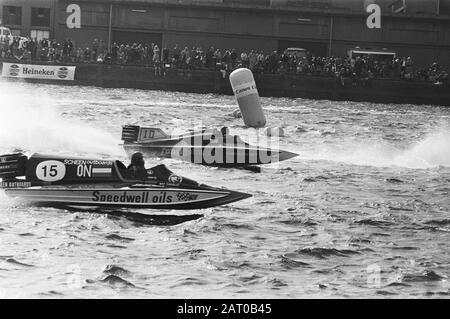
[52,172]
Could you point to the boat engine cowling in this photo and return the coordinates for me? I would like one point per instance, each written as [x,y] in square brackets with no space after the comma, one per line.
[12,165]
[130,133]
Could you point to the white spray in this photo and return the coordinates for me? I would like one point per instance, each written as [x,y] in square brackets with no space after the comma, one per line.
[430,152]
[33,122]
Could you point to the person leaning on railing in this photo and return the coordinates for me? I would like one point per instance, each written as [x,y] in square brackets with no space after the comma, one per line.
[214,58]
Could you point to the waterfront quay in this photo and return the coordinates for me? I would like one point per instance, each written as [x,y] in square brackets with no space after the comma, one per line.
[269,85]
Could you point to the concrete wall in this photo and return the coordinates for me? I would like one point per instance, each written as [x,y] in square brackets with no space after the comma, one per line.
[303,86]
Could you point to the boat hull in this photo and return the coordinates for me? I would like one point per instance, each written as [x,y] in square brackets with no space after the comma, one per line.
[145,198]
[221,156]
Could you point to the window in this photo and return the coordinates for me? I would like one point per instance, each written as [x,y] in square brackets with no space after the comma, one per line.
[39,35]
[40,17]
[444,7]
[40,13]
[12,15]
[398,6]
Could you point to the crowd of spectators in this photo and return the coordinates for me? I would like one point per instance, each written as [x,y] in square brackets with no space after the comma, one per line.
[225,60]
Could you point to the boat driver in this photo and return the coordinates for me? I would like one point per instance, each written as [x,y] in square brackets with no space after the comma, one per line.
[137,167]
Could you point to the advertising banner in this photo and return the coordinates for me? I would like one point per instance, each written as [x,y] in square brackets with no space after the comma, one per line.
[31,71]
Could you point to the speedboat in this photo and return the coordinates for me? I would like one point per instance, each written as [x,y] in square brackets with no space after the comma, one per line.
[212,147]
[65,181]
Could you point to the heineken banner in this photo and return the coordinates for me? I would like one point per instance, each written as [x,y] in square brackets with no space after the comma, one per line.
[31,71]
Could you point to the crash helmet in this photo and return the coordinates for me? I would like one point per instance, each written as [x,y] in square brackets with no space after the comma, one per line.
[137,159]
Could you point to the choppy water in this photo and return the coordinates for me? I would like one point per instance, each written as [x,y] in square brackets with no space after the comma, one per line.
[363,212]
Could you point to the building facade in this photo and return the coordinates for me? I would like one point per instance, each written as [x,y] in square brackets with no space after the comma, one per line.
[33,18]
[416,28]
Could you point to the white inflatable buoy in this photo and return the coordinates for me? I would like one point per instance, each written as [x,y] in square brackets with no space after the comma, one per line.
[246,93]
[274,131]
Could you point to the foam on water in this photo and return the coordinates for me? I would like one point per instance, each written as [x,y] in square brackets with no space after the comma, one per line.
[433,151]
[313,228]
[430,152]
[5,201]
[34,123]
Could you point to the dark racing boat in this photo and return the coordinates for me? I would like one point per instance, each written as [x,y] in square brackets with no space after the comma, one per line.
[65,181]
[210,147]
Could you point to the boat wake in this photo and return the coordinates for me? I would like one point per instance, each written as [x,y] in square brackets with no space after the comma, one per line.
[431,152]
[137,217]
[35,124]
[5,201]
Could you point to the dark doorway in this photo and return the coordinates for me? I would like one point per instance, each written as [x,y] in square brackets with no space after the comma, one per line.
[315,48]
[130,37]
